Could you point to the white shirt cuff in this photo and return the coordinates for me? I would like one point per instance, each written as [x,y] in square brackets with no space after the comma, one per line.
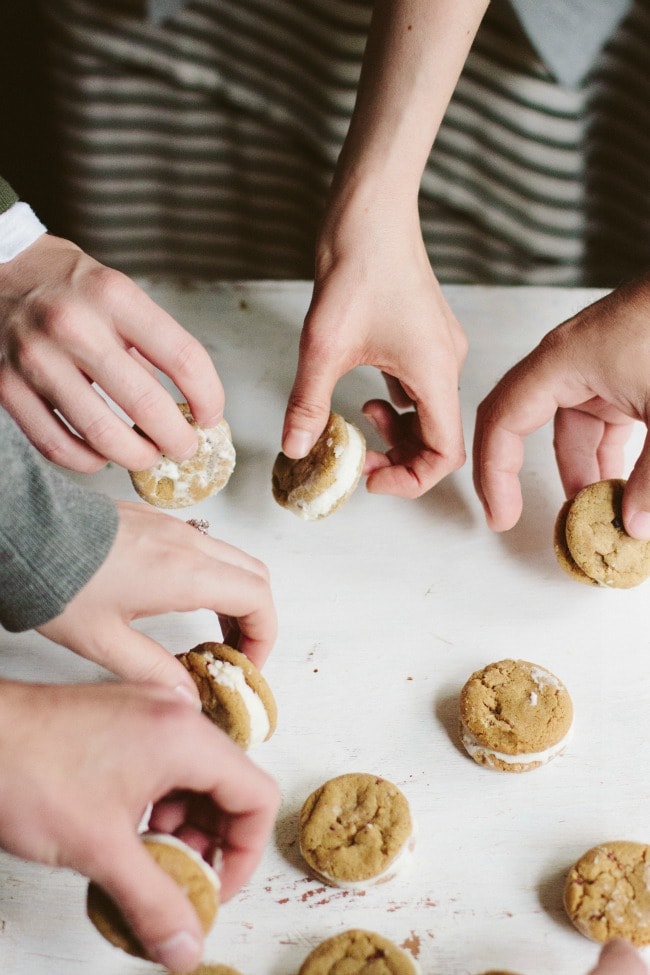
[19,227]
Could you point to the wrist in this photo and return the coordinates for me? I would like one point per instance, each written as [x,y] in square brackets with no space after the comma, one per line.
[19,229]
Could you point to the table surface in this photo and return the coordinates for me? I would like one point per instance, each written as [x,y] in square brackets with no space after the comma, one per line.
[385,609]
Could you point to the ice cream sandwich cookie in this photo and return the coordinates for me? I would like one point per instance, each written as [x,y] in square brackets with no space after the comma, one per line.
[561,548]
[514,716]
[178,484]
[358,952]
[607,892]
[215,970]
[198,880]
[316,485]
[355,831]
[597,544]
[233,692]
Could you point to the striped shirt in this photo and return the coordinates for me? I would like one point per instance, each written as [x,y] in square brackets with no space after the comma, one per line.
[205,146]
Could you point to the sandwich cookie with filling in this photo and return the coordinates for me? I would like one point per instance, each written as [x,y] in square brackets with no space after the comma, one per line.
[358,952]
[178,484]
[607,892]
[198,880]
[595,543]
[514,716]
[356,831]
[316,485]
[233,692]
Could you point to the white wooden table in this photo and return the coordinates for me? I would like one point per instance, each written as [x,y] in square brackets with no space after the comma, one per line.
[385,609]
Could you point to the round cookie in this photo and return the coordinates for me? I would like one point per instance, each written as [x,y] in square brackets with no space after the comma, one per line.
[607,892]
[597,541]
[358,952]
[355,831]
[514,716]
[198,880]
[178,484]
[316,485]
[561,548]
[233,692]
[215,970]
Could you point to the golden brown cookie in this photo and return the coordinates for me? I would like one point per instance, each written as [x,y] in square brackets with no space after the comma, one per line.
[190,871]
[355,830]
[562,553]
[607,892]
[215,970]
[358,952]
[316,485]
[514,716]
[178,484]
[234,694]
[597,541]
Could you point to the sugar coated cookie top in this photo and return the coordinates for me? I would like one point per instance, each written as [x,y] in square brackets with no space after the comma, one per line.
[358,952]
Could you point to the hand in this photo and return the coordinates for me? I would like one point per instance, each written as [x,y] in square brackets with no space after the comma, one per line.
[68,322]
[619,958]
[376,302]
[79,766]
[160,564]
[591,374]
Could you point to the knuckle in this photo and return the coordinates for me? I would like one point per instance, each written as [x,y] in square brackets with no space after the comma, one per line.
[190,358]
[104,282]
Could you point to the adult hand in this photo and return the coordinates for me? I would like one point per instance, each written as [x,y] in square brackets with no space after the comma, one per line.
[376,302]
[619,958]
[68,322]
[76,781]
[590,375]
[159,564]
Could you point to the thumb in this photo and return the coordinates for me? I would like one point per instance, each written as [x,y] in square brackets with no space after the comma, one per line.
[636,497]
[619,958]
[141,899]
[309,403]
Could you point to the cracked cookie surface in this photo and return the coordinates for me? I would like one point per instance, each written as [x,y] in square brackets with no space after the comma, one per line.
[354,829]
[597,541]
[358,952]
[514,716]
[607,892]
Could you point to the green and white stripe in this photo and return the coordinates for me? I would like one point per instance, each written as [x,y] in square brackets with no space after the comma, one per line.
[205,147]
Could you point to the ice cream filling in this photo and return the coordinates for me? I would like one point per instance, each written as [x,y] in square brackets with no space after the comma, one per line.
[229,675]
[170,840]
[474,747]
[347,472]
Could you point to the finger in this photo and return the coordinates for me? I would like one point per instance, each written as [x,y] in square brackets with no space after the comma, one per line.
[164,342]
[636,496]
[577,438]
[309,401]
[398,395]
[41,425]
[619,958]
[154,905]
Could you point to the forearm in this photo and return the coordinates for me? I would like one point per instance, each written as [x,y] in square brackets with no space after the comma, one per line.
[415,52]
[54,535]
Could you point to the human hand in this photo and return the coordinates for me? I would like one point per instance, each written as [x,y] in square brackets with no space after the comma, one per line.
[376,302]
[68,322]
[160,564]
[591,375]
[80,765]
[619,958]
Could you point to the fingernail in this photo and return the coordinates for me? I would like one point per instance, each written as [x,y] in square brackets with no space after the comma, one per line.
[188,695]
[213,421]
[639,525]
[298,443]
[180,953]
[188,453]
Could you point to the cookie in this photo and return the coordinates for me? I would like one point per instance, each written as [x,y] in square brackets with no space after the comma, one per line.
[607,892]
[215,970]
[561,548]
[514,716]
[316,485]
[198,880]
[358,952]
[178,484]
[597,540]
[355,831]
[233,692]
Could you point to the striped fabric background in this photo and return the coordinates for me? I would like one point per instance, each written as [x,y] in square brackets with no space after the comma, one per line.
[205,147]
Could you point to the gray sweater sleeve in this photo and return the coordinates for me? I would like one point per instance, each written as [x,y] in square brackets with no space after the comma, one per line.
[54,534]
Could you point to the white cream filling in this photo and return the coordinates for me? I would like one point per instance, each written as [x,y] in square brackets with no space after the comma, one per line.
[174,841]
[474,747]
[229,675]
[347,472]
[212,443]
